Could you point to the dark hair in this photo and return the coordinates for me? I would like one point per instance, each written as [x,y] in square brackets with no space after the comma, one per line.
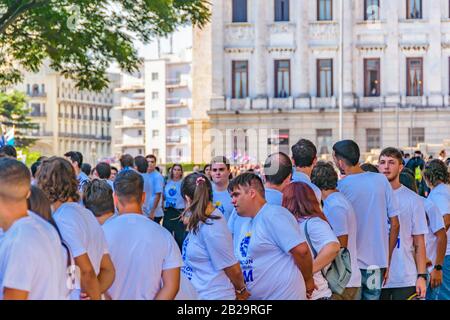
[368,167]
[103,170]
[141,164]
[324,176]
[206,166]
[348,151]
[176,165]
[56,177]
[75,156]
[392,153]
[151,156]
[301,201]
[98,197]
[277,168]
[114,168]
[34,168]
[246,180]
[15,179]
[126,160]
[436,172]
[199,189]
[408,179]
[304,152]
[221,159]
[39,203]
[86,168]
[8,151]
[129,186]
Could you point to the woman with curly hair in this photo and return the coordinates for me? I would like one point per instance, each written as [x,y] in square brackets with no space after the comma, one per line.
[438,180]
[78,227]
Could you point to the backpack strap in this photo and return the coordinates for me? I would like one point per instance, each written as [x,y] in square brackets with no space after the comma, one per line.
[309,239]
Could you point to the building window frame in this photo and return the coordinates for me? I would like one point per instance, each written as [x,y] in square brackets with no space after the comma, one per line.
[417,135]
[319,11]
[367,85]
[373,139]
[277,67]
[373,16]
[324,141]
[409,16]
[411,91]
[235,72]
[237,6]
[281,10]
[329,92]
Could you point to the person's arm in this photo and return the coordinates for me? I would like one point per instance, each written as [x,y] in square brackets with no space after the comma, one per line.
[155,205]
[171,284]
[107,273]
[304,261]
[234,273]
[441,244]
[393,237]
[89,281]
[14,294]
[326,256]
[343,240]
[421,261]
[447,221]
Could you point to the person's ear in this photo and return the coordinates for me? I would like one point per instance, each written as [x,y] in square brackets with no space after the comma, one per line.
[116,200]
[314,161]
[144,195]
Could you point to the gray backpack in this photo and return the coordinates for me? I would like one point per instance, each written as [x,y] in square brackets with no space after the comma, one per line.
[340,271]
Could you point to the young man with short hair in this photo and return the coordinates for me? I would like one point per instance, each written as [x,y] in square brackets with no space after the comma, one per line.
[341,216]
[274,257]
[277,174]
[146,256]
[408,273]
[103,171]
[126,162]
[220,173]
[437,177]
[98,197]
[374,203]
[304,156]
[155,181]
[76,159]
[32,263]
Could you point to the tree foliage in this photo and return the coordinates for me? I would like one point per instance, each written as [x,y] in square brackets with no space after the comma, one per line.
[82,37]
[15,113]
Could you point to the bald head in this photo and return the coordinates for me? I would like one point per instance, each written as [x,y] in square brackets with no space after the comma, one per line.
[15,180]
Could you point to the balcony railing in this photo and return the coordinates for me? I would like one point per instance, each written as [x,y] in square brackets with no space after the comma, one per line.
[174,139]
[37,94]
[38,114]
[84,136]
[130,123]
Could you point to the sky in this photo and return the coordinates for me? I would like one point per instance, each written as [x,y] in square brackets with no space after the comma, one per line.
[181,39]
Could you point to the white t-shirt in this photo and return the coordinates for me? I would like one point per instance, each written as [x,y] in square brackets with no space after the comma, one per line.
[205,255]
[32,260]
[83,234]
[172,195]
[262,246]
[140,250]
[320,234]
[153,184]
[222,201]
[413,221]
[341,217]
[373,201]
[298,176]
[435,223]
[440,196]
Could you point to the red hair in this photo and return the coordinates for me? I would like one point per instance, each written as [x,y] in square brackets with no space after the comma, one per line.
[301,201]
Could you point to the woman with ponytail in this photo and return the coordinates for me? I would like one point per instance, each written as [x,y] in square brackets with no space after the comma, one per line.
[208,257]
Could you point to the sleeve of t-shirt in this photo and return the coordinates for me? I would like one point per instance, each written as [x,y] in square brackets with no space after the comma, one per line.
[434,216]
[338,221]
[173,257]
[419,219]
[71,232]
[219,244]
[391,201]
[20,268]
[442,202]
[320,234]
[284,230]
[231,221]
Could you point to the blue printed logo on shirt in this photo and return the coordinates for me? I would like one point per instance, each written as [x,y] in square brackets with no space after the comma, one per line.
[243,247]
[172,191]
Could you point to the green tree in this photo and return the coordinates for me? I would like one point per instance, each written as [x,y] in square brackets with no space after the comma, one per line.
[82,37]
[15,113]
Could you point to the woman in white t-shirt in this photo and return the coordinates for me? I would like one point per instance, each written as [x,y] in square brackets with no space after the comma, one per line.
[208,256]
[301,201]
[78,228]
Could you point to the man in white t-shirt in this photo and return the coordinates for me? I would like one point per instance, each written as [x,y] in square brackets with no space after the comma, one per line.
[32,264]
[437,178]
[145,255]
[275,260]
[373,201]
[304,156]
[341,217]
[407,274]
[220,173]
[153,203]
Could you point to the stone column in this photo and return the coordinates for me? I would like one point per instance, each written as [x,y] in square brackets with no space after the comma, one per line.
[390,69]
[260,53]
[302,35]
[348,52]
[433,61]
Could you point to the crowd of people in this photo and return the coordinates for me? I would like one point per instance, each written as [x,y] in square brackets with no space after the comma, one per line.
[294,228]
